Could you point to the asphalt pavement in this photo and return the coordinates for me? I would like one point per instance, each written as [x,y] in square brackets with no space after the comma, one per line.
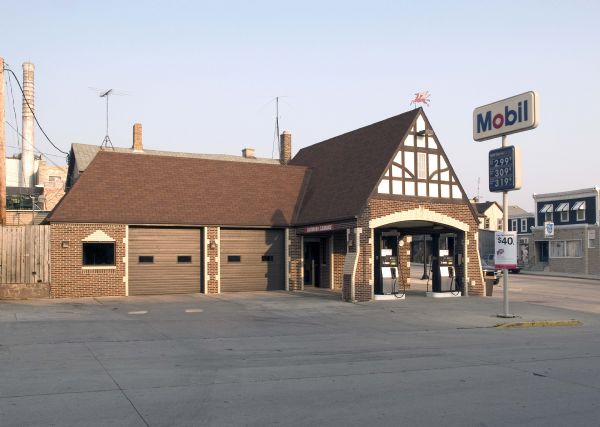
[297,359]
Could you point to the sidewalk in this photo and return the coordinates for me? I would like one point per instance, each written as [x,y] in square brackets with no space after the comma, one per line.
[557,274]
[416,270]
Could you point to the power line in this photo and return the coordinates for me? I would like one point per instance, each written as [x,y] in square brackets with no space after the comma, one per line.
[31,109]
[22,177]
[35,148]
[14,108]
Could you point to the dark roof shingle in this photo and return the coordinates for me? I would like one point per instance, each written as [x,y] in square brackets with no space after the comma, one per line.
[345,169]
[127,188]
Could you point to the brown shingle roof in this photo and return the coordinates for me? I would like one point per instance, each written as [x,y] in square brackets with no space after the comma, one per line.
[129,188]
[481,207]
[85,153]
[346,169]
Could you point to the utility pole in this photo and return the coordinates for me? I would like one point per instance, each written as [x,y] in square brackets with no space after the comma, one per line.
[2,149]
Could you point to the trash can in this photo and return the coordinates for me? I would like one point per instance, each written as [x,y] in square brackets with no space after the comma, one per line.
[489,288]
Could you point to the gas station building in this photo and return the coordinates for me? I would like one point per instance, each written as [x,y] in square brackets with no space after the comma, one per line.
[339,215]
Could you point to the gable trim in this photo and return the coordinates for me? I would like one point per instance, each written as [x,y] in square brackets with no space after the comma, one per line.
[98,236]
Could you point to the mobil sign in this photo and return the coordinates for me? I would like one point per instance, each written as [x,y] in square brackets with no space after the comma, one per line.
[510,115]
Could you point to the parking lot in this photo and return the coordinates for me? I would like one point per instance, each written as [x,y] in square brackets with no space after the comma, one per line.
[276,358]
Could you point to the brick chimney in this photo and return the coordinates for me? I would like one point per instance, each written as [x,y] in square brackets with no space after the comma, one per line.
[137,137]
[248,153]
[285,147]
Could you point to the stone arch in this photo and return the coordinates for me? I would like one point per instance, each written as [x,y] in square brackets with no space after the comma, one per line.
[423,214]
[420,214]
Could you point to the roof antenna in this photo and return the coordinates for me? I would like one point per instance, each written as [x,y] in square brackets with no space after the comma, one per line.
[106,94]
[106,141]
[276,136]
[478,181]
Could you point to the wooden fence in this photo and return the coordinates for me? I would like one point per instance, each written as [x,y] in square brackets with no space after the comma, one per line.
[25,254]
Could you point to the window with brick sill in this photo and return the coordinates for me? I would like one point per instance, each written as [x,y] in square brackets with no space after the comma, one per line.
[98,254]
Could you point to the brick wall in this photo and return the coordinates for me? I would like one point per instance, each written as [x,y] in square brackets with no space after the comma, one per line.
[339,256]
[212,254]
[588,263]
[296,273]
[404,264]
[68,277]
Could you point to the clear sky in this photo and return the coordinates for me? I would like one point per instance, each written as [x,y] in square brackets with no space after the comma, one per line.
[200,76]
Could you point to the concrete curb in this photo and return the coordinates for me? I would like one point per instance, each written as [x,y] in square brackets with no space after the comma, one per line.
[539,324]
[559,275]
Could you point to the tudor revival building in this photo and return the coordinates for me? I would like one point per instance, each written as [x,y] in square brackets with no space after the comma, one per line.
[144,223]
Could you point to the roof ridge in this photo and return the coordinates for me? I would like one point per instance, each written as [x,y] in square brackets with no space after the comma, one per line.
[397,116]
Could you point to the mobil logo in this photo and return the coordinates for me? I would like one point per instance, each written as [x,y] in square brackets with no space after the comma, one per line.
[515,114]
[507,118]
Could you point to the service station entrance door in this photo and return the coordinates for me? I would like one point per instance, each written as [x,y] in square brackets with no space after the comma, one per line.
[312,262]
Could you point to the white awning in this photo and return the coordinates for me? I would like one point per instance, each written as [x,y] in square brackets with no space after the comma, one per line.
[579,206]
[547,208]
[563,207]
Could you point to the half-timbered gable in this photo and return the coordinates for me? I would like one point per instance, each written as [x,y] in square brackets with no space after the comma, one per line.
[420,167]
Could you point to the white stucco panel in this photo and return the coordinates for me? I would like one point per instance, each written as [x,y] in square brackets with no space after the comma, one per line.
[420,123]
[398,158]
[98,236]
[384,187]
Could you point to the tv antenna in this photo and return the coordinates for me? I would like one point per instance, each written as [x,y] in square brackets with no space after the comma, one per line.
[276,139]
[276,131]
[106,93]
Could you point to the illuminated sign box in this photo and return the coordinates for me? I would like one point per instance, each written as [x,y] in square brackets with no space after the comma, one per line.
[511,115]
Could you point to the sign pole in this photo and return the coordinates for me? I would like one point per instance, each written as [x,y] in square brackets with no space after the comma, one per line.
[515,114]
[505,229]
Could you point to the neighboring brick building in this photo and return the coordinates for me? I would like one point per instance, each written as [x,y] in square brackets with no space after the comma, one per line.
[573,247]
[141,222]
[31,205]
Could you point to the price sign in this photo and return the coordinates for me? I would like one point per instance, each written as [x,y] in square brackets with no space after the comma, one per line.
[505,169]
[505,249]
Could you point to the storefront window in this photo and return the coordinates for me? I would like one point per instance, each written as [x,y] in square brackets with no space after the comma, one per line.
[565,249]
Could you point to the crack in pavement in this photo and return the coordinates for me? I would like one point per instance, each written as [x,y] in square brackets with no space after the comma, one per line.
[118,385]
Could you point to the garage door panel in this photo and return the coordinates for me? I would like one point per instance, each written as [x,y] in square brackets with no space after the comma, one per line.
[165,275]
[251,273]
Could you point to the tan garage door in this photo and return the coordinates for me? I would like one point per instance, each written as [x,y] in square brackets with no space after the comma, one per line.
[252,260]
[164,261]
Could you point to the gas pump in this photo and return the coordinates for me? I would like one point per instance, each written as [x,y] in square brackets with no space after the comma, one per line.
[446,271]
[388,276]
[443,269]
[389,267]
